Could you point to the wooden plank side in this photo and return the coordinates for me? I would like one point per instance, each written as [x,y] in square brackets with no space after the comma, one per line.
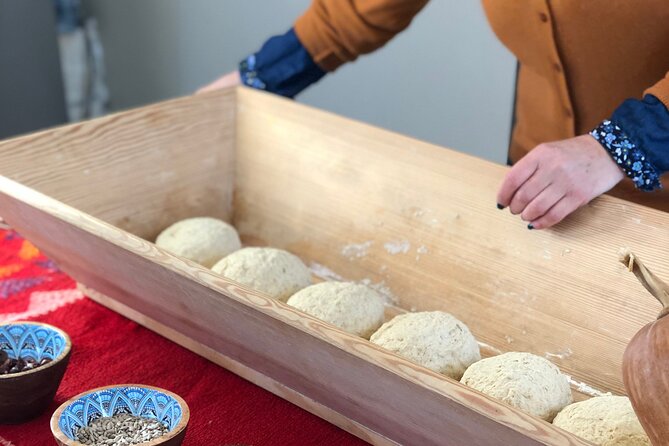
[419,223]
[140,170]
[245,372]
[379,390]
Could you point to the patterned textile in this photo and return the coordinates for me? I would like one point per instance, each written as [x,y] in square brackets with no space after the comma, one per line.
[627,155]
[109,349]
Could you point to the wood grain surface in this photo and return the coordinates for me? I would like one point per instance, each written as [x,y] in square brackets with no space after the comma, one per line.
[419,222]
[415,221]
[240,369]
[397,399]
[171,160]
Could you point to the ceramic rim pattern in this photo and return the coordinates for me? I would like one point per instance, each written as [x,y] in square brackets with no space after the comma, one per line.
[29,340]
[138,401]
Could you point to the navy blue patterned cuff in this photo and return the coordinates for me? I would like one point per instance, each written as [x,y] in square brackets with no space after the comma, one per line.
[630,158]
[249,74]
[282,66]
[646,122]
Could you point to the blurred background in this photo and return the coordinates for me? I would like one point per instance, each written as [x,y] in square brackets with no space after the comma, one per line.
[446,80]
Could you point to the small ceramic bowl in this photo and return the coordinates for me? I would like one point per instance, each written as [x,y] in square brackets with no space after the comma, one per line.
[134,399]
[27,394]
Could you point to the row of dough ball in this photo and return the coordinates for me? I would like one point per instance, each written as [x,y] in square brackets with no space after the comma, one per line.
[442,343]
[536,386]
[433,339]
[604,420]
[215,244]
[203,240]
[352,307]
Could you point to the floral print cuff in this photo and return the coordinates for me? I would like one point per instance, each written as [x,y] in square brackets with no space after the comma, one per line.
[630,158]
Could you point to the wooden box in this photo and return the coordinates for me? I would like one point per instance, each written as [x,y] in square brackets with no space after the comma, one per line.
[415,221]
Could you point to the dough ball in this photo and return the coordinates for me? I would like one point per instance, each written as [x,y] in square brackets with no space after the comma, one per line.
[272,271]
[352,307]
[604,420]
[203,240]
[433,339]
[523,380]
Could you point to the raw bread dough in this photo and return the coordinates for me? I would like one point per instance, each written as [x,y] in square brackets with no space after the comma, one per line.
[523,380]
[203,240]
[604,420]
[272,271]
[433,339]
[352,307]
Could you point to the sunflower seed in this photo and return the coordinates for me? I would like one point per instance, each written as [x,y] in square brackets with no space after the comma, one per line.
[120,430]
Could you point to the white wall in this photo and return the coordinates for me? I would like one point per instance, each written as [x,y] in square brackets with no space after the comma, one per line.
[446,80]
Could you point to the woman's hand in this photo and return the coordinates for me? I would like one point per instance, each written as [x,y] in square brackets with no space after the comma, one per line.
[231,79]
[556,178]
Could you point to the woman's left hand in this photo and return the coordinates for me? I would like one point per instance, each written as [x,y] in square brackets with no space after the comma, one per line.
[556,178]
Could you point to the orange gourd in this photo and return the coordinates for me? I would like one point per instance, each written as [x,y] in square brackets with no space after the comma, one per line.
[646,359]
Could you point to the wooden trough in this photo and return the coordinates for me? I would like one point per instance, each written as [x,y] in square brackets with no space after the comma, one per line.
[415,221]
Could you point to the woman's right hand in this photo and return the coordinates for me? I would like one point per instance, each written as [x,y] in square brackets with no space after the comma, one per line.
[231,79]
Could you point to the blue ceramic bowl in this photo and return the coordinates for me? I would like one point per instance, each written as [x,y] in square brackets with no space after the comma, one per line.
[27,394]
[38,341]
[143,401]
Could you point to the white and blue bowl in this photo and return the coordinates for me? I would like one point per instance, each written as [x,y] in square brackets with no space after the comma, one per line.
[134,399]
[27,394]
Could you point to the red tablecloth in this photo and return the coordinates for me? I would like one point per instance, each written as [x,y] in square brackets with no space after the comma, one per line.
[110,349]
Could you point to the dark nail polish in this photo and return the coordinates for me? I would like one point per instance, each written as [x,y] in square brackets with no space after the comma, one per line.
[530,226]
[499,206]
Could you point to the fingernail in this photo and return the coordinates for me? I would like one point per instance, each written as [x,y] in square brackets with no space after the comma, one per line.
[499,206]
[530,226]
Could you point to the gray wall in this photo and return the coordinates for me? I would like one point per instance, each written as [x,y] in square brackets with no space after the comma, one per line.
[31,87]
[446,80]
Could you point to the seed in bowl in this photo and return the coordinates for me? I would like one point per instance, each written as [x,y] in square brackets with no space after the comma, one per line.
[121,430]
[10,365]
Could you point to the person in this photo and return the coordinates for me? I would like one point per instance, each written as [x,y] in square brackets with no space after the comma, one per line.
[575,136]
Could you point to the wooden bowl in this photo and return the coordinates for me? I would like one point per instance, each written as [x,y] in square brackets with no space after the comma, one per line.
[27,394]
[136,399]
